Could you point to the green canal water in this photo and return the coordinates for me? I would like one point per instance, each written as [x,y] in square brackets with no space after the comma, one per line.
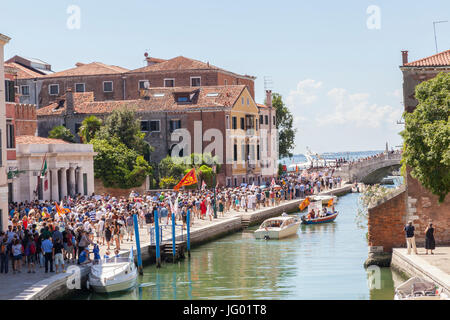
[320,262]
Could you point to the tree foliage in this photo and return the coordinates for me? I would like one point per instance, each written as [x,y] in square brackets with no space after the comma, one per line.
[125,126]
[119,166]
[121,149]
[61,132]
[284,124]
[427,136]
[89,127]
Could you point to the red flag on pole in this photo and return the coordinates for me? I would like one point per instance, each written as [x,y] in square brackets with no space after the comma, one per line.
[189,179]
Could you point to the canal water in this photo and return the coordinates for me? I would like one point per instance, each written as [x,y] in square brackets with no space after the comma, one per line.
[320,262]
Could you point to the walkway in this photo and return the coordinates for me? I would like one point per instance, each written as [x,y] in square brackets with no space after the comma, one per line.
[25,286]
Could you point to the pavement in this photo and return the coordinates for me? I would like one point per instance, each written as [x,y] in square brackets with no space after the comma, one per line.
[23,285]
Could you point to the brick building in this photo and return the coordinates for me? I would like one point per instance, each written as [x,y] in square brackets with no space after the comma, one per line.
[229,111]
[3,153]
[29,70]
[109,82]
[414,203]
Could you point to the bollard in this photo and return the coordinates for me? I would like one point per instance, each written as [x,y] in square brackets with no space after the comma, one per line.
[138,243]
[158,253]
[188,232]
[174,250]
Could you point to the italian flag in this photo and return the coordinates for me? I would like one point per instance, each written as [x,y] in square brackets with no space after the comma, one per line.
[44,167]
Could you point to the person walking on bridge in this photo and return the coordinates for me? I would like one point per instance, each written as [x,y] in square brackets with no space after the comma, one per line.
[410,239]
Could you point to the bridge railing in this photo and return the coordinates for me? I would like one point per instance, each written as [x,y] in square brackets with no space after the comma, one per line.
[377,159]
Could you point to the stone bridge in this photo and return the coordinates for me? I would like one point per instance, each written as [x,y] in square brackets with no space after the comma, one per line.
[370,171]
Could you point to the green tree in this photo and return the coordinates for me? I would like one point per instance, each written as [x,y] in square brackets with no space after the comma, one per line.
[167,168]
[89,127]
[61,132]
[284,125]
[427,136]
[117,165]
[123,125]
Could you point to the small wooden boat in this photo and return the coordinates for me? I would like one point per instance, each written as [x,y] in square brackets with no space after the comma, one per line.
[419,289]
[113,274]
[320,216]
[325,219]
[278,228]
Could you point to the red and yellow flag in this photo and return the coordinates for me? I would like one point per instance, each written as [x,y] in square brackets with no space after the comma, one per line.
[304,204]
[330,202]
[189,179]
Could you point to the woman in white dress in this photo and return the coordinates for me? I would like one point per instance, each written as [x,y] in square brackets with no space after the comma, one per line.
[243,202]
[209,208]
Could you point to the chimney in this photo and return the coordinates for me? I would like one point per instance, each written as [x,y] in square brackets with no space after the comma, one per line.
[405,57]
[79,64]
[70,108]
[269,98]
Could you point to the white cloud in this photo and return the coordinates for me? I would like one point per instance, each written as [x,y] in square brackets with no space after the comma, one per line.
[335,118]
[305,93]
[357,109]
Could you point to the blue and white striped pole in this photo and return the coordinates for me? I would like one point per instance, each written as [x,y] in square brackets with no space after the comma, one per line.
[188,222]
[138,243]
[174,250]
[158,253]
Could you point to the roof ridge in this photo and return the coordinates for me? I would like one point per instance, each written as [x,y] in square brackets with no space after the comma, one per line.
[428,58]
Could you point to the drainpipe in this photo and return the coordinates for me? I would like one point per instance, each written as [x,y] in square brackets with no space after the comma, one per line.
[124,87]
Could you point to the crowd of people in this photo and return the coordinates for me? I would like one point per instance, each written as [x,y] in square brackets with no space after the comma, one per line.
[40,236]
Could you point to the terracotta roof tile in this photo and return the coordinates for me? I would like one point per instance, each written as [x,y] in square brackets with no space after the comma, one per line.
[261,105]
[38,140]
[22,71]
[93,68]
[159,99]
[78,99]
[437,60]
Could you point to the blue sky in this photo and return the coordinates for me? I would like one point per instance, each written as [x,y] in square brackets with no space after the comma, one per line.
[339,78]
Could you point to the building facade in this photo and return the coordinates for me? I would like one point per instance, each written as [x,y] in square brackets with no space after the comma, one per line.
[70,169]
[221,120]
[3,150]
[109,82]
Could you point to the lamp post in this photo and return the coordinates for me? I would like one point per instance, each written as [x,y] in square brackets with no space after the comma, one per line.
[214,182]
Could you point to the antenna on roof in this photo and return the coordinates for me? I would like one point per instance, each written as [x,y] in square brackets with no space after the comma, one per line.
[268,83]
[434,27]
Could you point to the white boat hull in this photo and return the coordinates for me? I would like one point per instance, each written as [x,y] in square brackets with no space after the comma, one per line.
[277,233]
[119,282]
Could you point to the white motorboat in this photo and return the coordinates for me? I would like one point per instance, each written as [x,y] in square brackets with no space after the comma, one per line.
[419,289]
[278,228]
[325,199]
[113,274]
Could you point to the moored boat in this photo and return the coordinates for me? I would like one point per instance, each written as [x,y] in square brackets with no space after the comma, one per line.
[113,274]
[419,289]
[278,228]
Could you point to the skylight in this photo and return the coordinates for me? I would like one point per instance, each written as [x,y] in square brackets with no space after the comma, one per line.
[212,94]
[158,95]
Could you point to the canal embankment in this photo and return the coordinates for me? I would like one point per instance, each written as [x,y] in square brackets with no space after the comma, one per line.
[434,268]
[55,286]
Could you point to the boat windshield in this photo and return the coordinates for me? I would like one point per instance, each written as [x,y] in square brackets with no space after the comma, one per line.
[115,260]
[272,224]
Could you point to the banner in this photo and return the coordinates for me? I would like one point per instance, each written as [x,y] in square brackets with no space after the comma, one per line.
[189,179]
